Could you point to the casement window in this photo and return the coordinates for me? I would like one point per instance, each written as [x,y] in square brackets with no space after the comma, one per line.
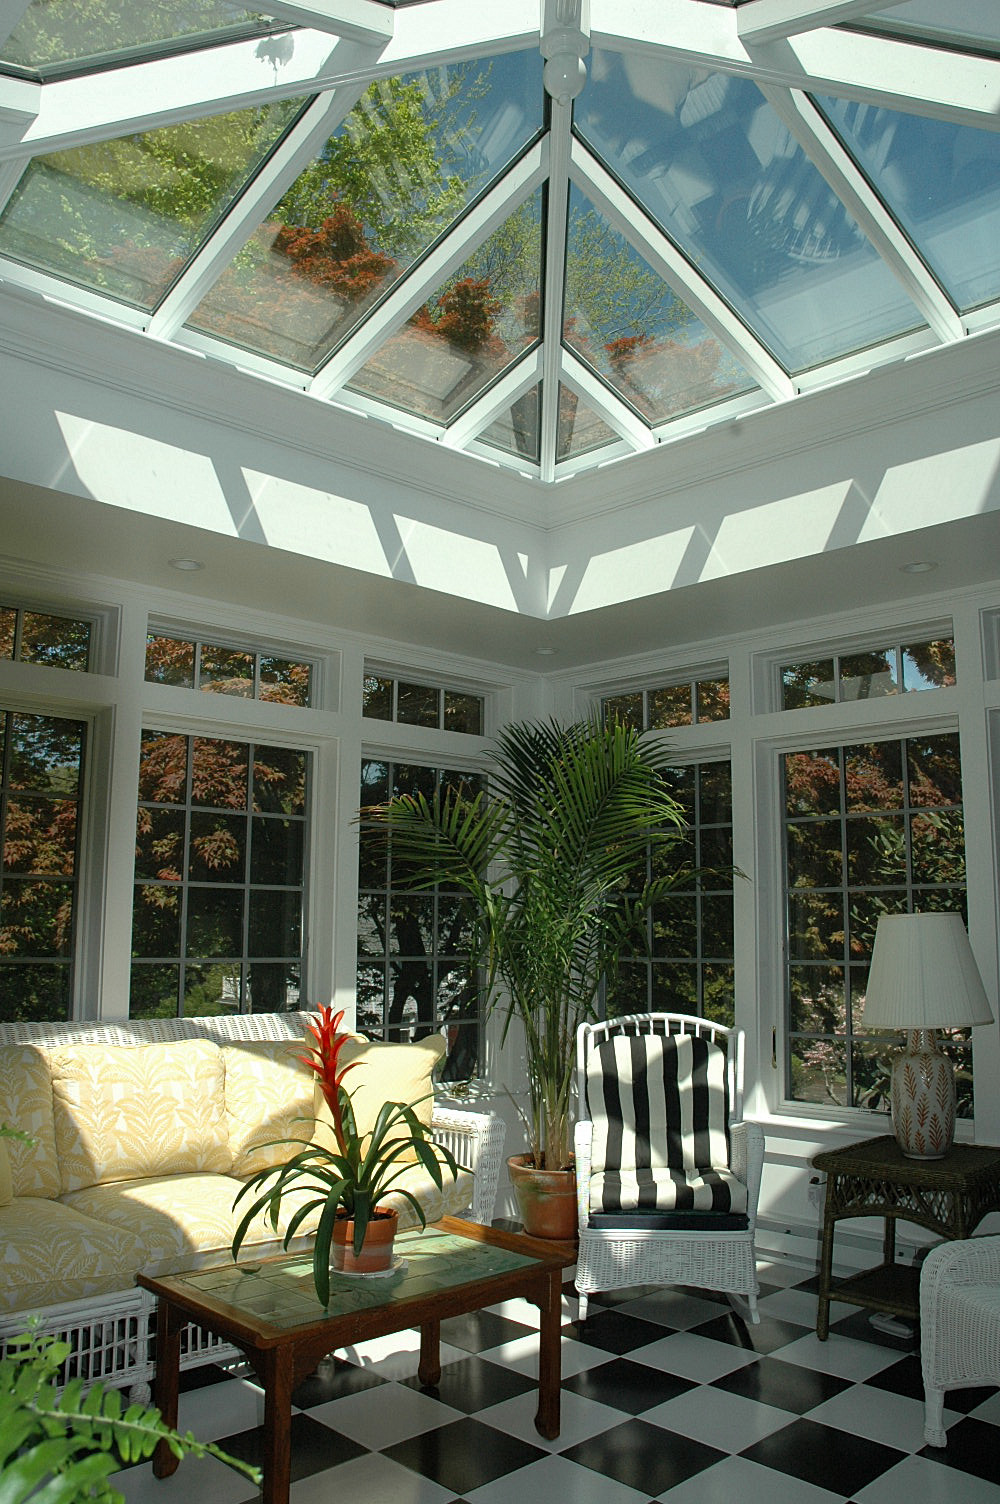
[870,827]
[215,668]
[41,785]
[414,973]
[386,698]
[221,849]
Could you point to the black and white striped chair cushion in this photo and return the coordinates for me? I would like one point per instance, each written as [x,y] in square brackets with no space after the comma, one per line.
[659,1106]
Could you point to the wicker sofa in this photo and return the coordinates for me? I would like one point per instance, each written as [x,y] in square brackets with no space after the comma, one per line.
[142,1133]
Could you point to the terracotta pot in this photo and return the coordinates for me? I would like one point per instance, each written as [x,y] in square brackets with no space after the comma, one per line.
[546,1199]
[376,1250]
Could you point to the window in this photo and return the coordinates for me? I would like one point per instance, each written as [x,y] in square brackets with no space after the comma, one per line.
[41,758]
[414,972]
[387,699]
[41,637]
[219,877]
[221,670]
[871,828]
[686,702]
[868,674]
[689,966]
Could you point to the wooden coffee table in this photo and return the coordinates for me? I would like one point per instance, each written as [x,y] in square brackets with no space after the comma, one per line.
[270,1312]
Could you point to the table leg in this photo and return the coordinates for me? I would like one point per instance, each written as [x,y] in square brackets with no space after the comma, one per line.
[825,1274]
[429,1368]
[276,1369]
[889,1241]
[549,1365]
[166,1381]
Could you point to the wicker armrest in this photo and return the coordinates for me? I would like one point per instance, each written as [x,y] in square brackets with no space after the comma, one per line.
[476,1139]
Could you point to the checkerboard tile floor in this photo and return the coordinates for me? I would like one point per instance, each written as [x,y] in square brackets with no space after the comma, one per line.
[667,1395]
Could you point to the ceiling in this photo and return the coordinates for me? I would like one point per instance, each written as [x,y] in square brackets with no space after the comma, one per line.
[546,235]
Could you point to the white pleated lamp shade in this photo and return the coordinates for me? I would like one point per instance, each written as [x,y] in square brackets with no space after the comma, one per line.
[923,975]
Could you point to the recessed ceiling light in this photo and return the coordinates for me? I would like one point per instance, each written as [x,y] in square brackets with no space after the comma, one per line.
[544,652]
[918,566]
[186,564]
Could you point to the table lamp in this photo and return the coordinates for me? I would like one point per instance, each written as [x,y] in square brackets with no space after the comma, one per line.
[923,977]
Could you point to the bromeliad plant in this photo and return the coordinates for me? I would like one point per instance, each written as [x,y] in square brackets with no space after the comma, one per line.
[553,863]
[348,1179]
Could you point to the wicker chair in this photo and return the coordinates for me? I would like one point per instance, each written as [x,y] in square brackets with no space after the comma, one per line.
[959,1323]
[668,1173]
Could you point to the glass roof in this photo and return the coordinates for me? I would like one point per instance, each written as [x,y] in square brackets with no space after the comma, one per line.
[392,208]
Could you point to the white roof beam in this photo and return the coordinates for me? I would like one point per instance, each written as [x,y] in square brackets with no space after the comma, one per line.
[882,70]
[20,101]
[768,20]
[301,145]
[360,20]
[11,12]
[191,85]
[447,256]
[828,155]
[617,415]
[495,401]
[557,212]
[665,259]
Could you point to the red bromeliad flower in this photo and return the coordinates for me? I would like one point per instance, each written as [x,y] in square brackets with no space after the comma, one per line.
[323,1058]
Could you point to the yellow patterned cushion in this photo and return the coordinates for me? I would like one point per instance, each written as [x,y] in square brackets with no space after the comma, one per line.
[269,1096]
[124,1112]
[385,1073]
[455,1195]
[53,1253]
[6,1184]
[26,1103]
[183,1221]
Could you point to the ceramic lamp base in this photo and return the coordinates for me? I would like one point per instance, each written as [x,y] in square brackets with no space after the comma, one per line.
[923,1097]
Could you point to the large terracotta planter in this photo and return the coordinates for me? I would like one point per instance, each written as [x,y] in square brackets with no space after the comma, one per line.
[546,1199]
[376,1250]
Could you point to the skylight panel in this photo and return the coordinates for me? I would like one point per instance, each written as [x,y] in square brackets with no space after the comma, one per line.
[941,181]
[411,155]
[123,217]
[469,331]
[55,37]
[580,429]
[975,23]
[518,431]
[630,327]
[710,161]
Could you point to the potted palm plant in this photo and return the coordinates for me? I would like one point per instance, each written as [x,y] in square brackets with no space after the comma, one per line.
[345,1180]
[552,862]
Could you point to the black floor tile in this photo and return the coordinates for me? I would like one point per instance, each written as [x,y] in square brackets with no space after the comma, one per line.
[474,1384]
[786,1386]
[858,1325]
[201,1378]
[464,1455]
[614,1331]
[479,1330]
[315,1447]
[972,1448]
[632,1387]
[643,1456]
[906,1377]
[332,1380]
[768,1336]
[822,1456]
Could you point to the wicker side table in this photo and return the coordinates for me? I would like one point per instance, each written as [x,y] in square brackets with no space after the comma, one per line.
[948,1196]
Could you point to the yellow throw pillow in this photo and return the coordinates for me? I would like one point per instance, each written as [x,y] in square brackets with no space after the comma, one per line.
[385,1073]
[269,1096]
[6,1184]
[26,1103]
[126,1112]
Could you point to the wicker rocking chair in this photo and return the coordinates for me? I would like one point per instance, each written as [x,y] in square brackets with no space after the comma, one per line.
[668,1173]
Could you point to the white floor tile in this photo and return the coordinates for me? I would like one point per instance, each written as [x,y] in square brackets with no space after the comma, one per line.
[737,1480]
[730,1422]
[221,1409]
[919,1480]
[674,1308]
[396,1356]
[201,1479]
[522,1355]
[693,1357]
[894,1419]
[989,1410]
[373,1479]
[579,1419]
[844,1357]
[378,1418]
[555,1480]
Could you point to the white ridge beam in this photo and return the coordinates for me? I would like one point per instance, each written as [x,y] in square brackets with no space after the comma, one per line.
[768,20]
[447,256]
[665,259]
[303,142]
[494,402]
[827,154]
[889,71]
[553,294]
[359,20]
